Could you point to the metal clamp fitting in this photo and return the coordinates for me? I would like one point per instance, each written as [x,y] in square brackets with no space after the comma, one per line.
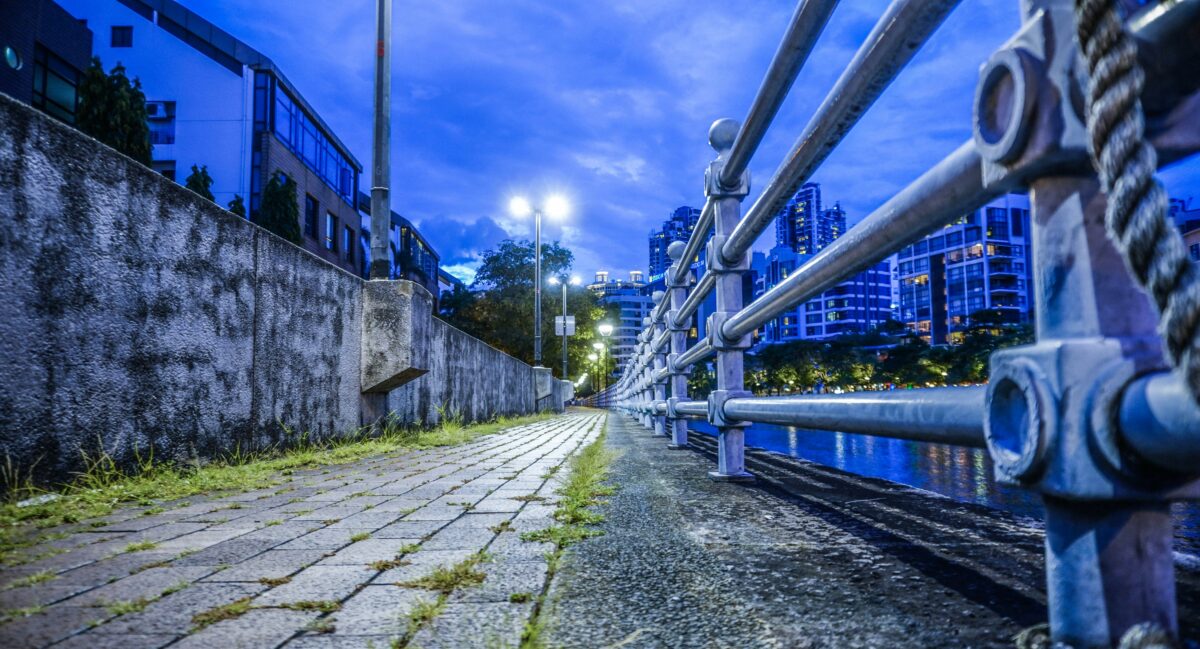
[716,408]
[1021,419]
[716,260]
[717,339]
[672,315]
[672,413]
[713,187]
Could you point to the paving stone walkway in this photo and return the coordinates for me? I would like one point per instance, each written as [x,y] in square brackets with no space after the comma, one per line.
[288,552]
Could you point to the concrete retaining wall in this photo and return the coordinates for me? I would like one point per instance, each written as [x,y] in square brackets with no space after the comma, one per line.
[138,315]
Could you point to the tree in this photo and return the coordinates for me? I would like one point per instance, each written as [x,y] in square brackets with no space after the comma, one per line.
[200,182]
[280,212]
[237,206]
[112,109]
[498,308]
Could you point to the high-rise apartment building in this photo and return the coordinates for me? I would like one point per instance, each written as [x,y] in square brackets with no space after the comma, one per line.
[855,306]
[979,262]
[804,226]
[634,303]
[677,228]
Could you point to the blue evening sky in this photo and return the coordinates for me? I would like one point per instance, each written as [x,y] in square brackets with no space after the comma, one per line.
[607,102]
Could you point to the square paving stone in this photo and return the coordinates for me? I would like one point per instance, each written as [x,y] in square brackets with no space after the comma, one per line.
[471,519]
[253,630]
[272,564]
[173,613]
[165,532]
[51,625]
[197,541]
[401,505]
[322,539]
[364,552]
[285,531]
[335,641]
[407,529]
[474,625]
[377,610]
[228,552]
[503,579]
[435,514]
[369,519]
[422,563]
[88,640]
[318,583]
[459,538]
[148,584]
[42,594]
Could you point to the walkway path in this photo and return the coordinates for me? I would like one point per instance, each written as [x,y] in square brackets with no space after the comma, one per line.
[808,557]
[270,567]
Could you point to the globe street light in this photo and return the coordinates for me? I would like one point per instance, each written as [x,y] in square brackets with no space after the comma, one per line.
[574,281]
[556,207]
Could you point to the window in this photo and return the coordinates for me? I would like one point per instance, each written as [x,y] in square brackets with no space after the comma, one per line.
[55,85]
[122,36]
[160,115]
[1195,250]
[165,167]
[300,133]
[311,210]
[348,243]
[330,232]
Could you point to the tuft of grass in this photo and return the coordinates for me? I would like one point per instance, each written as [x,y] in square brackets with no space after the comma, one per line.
[422,614]
[154,510]
[520,598]
[409,548]
[322,605]
[125,607]
[274,581]
[447,580]
[230,611]
[321,625]
[29,580]
[360,536]
[140,546]
[505,526]
[273,523]
[529,498]
[101,487]
[388,564]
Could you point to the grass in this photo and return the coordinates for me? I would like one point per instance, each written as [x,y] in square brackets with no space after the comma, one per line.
[447,580]
[360,536]
[520,598]
[529,498]
[101,487]
[322,605]
[124,607]
[216,614]
[274,581]
[140,546]
[29,580]
[503,527]
[584,488]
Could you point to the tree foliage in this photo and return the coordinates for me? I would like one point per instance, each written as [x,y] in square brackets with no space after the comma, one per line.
[238,206]
[200,182]
[280,212]
[886,355]
[498,307]
[112,109]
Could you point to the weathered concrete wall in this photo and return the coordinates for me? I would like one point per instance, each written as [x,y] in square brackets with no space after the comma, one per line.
[138,315]
[455,385]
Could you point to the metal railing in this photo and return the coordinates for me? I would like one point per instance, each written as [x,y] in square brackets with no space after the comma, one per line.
[1090,415]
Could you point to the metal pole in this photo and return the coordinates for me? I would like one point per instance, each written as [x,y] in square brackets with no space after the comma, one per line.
[381,209]
[564,330]
[537,287]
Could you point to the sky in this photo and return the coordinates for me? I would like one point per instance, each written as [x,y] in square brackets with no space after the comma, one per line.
[608,104]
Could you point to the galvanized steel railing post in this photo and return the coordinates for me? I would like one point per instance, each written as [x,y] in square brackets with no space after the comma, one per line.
[727,199]
[677,289]
[1052,408]
[660,362]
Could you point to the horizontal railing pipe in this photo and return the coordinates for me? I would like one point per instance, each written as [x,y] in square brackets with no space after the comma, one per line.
[695,354]
[808,21]
[695,298]
[692,409]
[953,187]
[696,241]
[942,415]
[897,36]
[1161,422]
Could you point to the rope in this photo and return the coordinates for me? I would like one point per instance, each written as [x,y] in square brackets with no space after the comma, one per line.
[1136,215]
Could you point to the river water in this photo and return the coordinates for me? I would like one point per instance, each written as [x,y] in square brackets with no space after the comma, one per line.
[961,473]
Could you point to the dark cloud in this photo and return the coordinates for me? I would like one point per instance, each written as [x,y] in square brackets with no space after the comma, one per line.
[609,103]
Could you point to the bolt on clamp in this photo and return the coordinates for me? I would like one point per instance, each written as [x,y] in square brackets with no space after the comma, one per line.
[716,408]
[716,335]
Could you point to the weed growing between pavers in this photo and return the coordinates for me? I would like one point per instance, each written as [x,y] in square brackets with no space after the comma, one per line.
[322,605]
[443,581]
[29,580]
[102,487]
[584,487]
[140,546]
[360,536]
[230,611]
[274,581]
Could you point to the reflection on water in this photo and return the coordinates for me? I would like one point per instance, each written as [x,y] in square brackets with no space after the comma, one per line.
[960,473]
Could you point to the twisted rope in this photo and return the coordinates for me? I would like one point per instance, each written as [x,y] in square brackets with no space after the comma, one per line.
[1136,215]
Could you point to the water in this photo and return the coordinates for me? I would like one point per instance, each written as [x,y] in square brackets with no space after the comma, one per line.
[961,473]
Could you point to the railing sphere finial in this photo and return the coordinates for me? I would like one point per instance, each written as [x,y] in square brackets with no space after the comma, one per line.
[657,296]
[675,250]
[722,133]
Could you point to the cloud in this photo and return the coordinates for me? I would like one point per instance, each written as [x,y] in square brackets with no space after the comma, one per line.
[609,102]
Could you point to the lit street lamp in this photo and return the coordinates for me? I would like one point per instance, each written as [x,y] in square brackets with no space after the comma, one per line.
[574,281]
[556,208]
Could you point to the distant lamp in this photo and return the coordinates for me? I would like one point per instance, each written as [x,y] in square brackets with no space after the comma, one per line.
[519,207]
[553,281]
[575,281]
[593,357]
[557,207]
[597,346]
[605,329]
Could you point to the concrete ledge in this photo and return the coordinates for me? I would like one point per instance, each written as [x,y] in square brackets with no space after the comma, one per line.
[396,320]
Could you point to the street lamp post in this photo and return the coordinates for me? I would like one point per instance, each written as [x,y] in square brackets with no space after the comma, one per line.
[595,372]
[556,207]
[605,330]
[574,281]
[381,209]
